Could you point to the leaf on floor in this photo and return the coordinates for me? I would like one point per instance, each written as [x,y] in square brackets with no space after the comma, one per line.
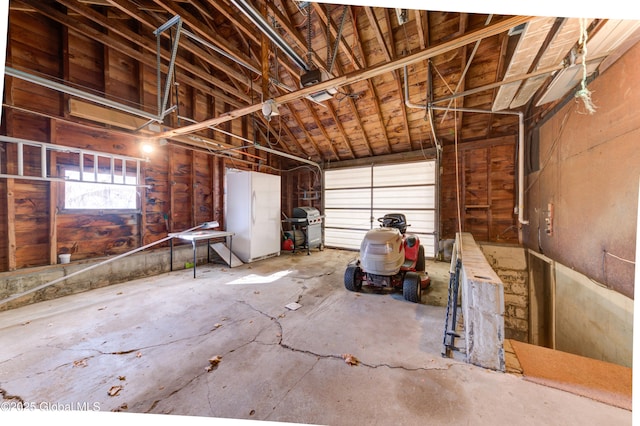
[213,363]
[139,355]
[217,325]
[350,359]
[115,390]
[122,378]
[80,363]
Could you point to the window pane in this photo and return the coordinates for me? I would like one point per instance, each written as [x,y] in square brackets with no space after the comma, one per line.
[96,196]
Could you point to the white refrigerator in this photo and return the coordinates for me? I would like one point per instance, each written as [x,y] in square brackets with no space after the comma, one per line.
[253,214]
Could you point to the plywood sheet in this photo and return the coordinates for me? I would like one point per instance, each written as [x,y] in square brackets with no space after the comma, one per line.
[598,380]
[223,251]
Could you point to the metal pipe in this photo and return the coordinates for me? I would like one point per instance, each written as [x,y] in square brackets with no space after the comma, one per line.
[265,149]
[78,93]
[73,274]
[259,21]
[409,104]
[171,22]
[520,115]
[253,145]
[466,68]
[220,51]
[521,170]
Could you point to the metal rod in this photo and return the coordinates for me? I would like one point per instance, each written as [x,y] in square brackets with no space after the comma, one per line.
[81,165]
[62,148]
[220,51]
[73,274]
[259,21]
[59,179]
[170,23]
[95,167]
[43,161]
[172,61]
[78,93]
[20,159]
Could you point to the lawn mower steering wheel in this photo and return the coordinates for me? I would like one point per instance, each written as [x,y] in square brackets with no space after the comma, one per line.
[389,221]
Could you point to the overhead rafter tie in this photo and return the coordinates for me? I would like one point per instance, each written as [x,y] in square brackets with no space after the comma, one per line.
[177,21]
[358,76]
[332,58]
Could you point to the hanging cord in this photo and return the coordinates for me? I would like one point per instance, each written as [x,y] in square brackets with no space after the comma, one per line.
[584,94]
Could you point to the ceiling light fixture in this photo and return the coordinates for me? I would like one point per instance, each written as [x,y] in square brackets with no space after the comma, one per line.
[269,109]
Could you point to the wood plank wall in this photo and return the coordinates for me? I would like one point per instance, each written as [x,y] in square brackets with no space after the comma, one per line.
[487,180]
[184,186]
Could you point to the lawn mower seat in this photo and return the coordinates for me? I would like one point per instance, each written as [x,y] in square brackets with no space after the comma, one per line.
[395,220]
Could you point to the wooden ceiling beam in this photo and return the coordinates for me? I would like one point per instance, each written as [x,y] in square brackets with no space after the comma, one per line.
[391,54]
[356,76]
[340,127]
[374,95]
[194,23]
[142,42]
[322,128]
[352,105]
[342,43]
[285,23]
[309,138]
[464,21]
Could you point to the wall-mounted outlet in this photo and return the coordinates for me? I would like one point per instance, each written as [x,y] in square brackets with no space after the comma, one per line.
[548,220]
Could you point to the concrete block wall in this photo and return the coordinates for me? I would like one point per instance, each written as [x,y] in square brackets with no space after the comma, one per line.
[510,263]
[138,265]
[482,307]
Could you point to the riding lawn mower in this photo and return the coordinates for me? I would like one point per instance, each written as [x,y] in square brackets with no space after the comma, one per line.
[390,258]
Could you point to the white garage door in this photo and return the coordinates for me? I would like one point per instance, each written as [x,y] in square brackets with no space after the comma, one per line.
[354,198]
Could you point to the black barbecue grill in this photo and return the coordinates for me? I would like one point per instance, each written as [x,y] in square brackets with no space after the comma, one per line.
[308,221]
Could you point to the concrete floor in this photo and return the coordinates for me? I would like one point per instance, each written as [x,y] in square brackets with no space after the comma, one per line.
[154,339]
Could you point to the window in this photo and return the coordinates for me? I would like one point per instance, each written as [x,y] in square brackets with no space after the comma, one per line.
[99,191]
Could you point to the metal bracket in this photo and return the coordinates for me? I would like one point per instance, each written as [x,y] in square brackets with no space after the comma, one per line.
[163,97]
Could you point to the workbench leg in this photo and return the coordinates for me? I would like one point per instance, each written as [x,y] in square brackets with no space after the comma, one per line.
[194,258]
[171,257]
[230,252]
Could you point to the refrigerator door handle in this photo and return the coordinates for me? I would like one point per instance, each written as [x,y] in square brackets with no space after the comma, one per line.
[253,207]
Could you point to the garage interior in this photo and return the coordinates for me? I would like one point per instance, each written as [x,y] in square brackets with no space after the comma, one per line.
[185,183]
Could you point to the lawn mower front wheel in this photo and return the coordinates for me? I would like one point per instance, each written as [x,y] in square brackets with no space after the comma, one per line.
[353,278]
[411,287]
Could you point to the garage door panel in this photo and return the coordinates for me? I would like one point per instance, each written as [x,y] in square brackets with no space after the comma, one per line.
[348,178]
[404,197]
[409,174]
[344,238]
[360,219]
[420,221]
[352,196]
[347,198]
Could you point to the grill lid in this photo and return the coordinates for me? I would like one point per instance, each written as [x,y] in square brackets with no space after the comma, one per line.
[306,212]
